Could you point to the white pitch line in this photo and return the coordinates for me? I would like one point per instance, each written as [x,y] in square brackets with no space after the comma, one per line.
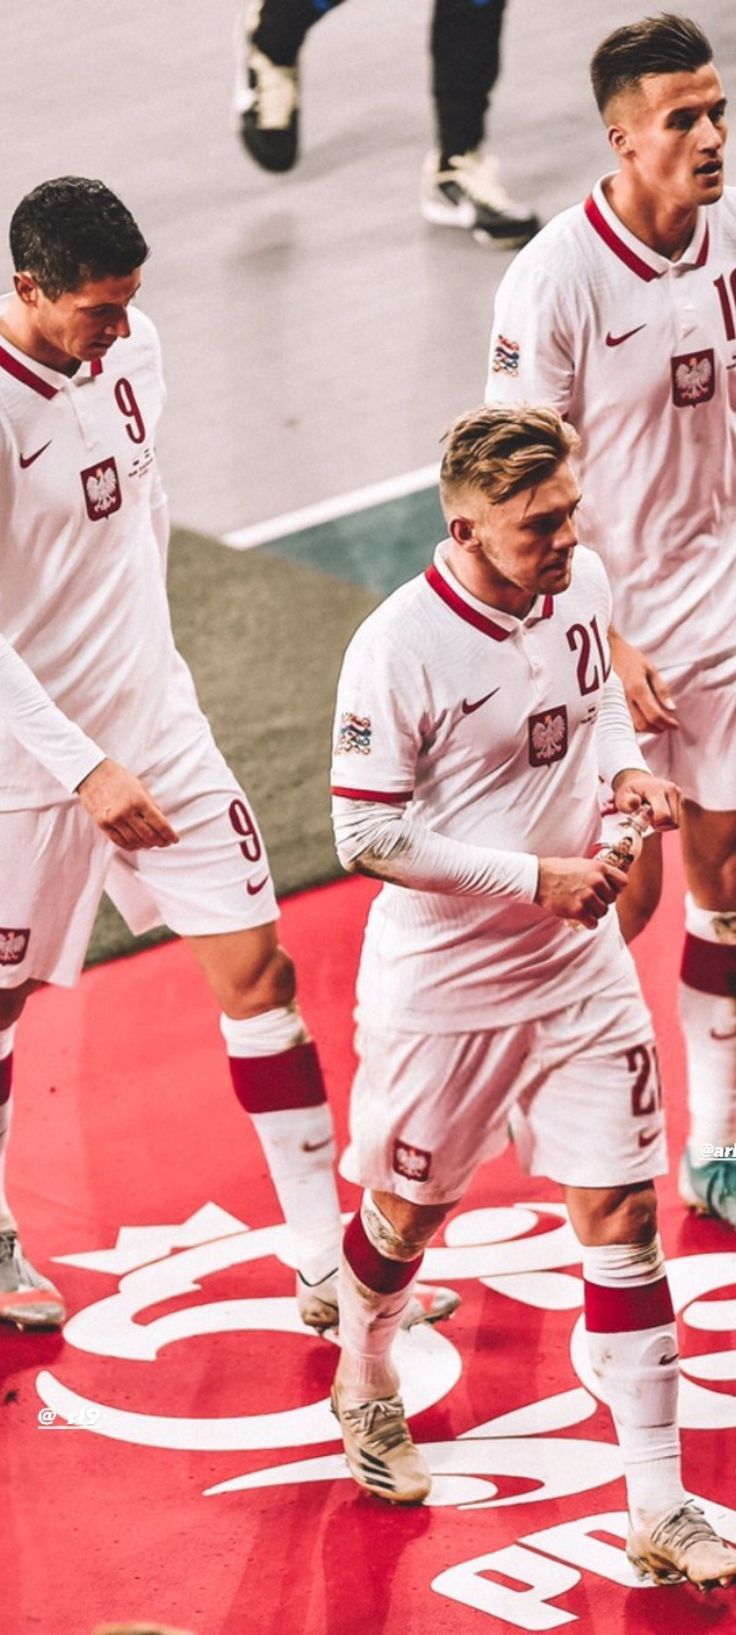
[343,505]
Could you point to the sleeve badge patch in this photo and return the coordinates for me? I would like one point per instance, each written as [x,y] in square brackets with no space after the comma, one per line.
[353,735]
[505,357]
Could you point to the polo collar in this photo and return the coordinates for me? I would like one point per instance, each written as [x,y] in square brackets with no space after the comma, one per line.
[442,581]
[39,377]
[646,263]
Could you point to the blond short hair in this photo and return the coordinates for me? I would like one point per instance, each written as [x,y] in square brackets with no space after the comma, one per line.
[502,451]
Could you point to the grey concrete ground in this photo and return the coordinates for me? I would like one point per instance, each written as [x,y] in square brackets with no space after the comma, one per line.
[318,335]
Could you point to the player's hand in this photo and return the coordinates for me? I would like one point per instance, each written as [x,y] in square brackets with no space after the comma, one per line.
[632,790]
[647,694]
[578,888]
[122,808]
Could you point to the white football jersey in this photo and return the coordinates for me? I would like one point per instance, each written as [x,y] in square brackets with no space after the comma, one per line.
[83,600]
[488,725]
[639,352]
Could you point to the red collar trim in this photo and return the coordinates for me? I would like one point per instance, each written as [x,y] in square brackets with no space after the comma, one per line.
[606,232]
[704,248]
[21,372]
[95,367]
[471,614]
[440,586]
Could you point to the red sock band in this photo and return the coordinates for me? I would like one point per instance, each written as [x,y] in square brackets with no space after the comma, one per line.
[6,1078]
[710,967]
[271,1084]
[619,1311]
[380,1274]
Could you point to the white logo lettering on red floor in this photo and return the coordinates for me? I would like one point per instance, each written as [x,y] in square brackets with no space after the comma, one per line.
[528,1254]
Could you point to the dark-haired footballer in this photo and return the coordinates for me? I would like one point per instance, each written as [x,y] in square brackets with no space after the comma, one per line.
[622,314]
[111,776]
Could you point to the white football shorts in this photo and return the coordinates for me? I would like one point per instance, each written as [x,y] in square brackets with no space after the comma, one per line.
[55,864]
[578,1091]
[699,753]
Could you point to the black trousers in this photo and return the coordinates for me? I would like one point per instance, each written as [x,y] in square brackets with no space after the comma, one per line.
[465,45]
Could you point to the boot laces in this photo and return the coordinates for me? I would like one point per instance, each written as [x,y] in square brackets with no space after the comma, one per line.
[382,1420]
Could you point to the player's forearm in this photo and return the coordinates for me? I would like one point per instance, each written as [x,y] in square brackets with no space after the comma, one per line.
[384,842]
[36,722]
[616,742]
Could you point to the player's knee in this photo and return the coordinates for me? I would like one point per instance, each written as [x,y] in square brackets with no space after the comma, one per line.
[269,985]
[414,1225]
[635,1218]
[615,1215]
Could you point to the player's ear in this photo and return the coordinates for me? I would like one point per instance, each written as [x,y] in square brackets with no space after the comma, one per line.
[619,140]
[462,531]
[26,288]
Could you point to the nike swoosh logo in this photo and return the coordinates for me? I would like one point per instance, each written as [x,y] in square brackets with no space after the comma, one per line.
[27,460]
[469,709]
[617,340]
[316,1146]
[646,1137]
[253,890]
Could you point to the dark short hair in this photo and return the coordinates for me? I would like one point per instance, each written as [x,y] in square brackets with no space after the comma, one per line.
[71,231]
[667,44]
[502,451]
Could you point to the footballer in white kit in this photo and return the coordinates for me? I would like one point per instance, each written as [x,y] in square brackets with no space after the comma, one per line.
[111,777]
[622,315]
[488,730]
[476,709]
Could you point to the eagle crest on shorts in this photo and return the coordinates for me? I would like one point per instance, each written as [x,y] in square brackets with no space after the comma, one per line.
[101,490]
[548,736]
[415,1163]
[13,945]
[693,379]
[353,734]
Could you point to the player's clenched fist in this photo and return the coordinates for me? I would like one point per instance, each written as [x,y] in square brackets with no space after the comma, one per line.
[578,888]
[121,806]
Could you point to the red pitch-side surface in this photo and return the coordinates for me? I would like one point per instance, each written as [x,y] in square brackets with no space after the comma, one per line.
[182,1370]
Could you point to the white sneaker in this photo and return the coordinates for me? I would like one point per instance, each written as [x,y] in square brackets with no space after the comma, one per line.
[26,1298]
[379,1449]
[318,1308]
[468,193]
[266,100]
[680,1545]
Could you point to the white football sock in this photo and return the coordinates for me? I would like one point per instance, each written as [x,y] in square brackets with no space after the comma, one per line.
[276,1076]
[299,1148]
[371,1317]
[637,1368]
